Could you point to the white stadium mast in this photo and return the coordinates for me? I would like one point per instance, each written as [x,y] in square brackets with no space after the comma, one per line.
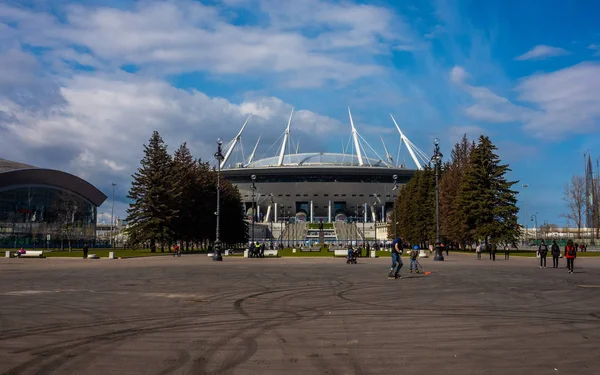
[355,137]
[235,141]
[253,151]
[285,140]
[412,148]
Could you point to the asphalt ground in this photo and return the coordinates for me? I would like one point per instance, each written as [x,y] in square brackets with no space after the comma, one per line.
[189,315]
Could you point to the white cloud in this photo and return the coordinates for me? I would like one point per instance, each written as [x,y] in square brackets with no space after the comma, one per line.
[541,52]
[487,106]
[437,31]
[306,48]
[567,101]
[458,75]
[97,129]
[595,48]
[560,103]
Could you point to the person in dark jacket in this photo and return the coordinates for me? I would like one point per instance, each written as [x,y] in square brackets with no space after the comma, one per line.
[494,249]
[506,252]
[543,251]
[85,251]
[555,250]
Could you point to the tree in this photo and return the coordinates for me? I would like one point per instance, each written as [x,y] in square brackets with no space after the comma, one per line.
[574,196]
[184,197]
[453,221]
[65,209]
[415,209]
[236,230]
[486,199]
[153,192]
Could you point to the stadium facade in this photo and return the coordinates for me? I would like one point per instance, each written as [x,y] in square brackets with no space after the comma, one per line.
[314,187]
[45,208]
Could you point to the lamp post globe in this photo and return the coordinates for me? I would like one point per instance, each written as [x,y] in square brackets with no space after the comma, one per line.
[217,244]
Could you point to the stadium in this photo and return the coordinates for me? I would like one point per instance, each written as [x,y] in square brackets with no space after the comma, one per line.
[351,192]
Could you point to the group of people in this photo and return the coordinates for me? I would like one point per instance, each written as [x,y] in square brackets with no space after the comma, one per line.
[256,250]
[492,249]
[397,250]
[570,254]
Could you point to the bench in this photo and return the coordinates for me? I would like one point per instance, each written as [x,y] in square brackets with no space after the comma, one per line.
[272,253]
[32,254]
[340,253]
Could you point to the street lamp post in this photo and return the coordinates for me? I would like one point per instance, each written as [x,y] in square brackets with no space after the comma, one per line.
[545,231]
[363,233]
[535,222]
[395,190]
[356,225]
[287,227]
[375,223]
[271,217]
[253,177]
[112,212]
[217,246]
[436,159]
[525,186]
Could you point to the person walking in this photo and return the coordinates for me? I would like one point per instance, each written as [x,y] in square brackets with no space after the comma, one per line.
[85,251]
[506,252]
[570,254]
[543,251]
[555,251]
[494,248]
[414,253]
[397,249]
[488,247]
[478,251]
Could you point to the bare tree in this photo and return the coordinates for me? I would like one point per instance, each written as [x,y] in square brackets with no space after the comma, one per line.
[66,207]
[574,196]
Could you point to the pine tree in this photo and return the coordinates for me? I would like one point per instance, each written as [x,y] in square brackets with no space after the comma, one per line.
[486,199]
[236,229]
[151,214]
[205,203]
[415,209]
[453,222]
[184,178]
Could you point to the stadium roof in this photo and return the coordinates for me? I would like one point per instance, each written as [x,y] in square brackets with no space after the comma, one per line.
[316,159]
[354,153]
[18,174]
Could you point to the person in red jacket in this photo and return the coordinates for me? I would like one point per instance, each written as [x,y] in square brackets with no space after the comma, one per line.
[570,254]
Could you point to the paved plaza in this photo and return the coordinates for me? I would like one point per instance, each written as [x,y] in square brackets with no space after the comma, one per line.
[189,315]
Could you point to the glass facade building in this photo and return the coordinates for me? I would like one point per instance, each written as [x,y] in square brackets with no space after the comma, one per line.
[42,208]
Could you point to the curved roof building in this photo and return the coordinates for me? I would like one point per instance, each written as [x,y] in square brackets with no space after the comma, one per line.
[320,185]
[45,207]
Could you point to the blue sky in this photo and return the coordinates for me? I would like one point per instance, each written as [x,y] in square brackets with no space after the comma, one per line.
[84,84]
